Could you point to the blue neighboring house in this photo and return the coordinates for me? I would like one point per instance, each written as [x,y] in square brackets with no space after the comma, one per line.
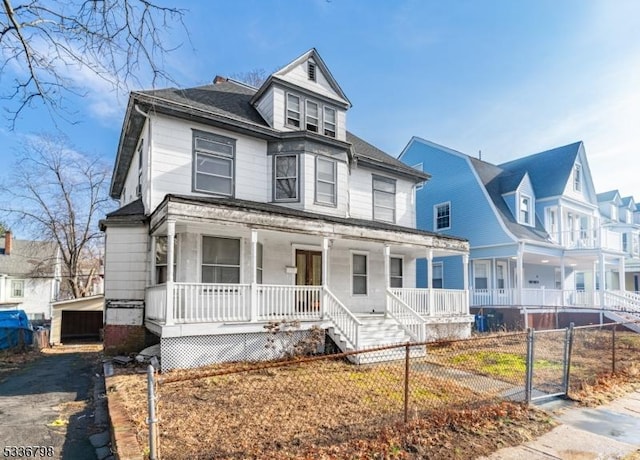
[535,229]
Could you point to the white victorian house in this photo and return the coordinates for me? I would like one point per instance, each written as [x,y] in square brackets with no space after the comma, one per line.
[241,206]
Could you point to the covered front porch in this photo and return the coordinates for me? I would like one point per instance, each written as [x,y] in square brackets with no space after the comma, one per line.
[218,269]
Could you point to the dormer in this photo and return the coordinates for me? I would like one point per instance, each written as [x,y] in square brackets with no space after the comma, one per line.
[304,96]
[519,196]
[609,204]
[626,210]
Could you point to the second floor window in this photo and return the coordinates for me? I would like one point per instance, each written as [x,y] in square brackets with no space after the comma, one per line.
[384,199]
[325,181]
[285,176]
[443,216]
[17,288]
[214,158]
[577,178]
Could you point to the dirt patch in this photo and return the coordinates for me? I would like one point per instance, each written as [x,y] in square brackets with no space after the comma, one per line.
[324,409]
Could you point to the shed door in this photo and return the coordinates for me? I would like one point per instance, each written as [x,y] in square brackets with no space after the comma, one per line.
[80,325]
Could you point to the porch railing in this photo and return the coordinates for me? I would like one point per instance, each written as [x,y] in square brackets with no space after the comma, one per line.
[434,302]
[539,297]
[292,302]
[622,301]
[412,322]
[342,318]
[591,239]
[210,303]
[155,300]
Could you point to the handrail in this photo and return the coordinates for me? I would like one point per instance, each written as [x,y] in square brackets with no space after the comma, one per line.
[399,310]
[343,319]
[629,303]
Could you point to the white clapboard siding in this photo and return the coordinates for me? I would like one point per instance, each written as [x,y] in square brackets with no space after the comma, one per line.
[126,261]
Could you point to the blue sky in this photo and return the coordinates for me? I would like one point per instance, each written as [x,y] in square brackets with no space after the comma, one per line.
[506,77]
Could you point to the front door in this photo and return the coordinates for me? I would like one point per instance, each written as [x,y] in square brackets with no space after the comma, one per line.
[308,268]
[308,273]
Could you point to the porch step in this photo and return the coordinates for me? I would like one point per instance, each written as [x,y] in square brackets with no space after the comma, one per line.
[377,331]
[626,317]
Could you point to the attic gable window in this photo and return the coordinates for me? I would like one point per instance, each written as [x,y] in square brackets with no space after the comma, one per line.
[293,110]
[577,178]
[311,70]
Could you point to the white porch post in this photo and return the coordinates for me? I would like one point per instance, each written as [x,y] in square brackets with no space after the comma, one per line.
[430,281]
[465,280]
[562,280]
[594,298]
[152,262]
[520,270]
[623,281]
[387,254]
[171,233]
[325,274]
[603,280]
[254,276]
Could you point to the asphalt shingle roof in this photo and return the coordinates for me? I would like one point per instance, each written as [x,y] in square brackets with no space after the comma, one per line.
[27,258]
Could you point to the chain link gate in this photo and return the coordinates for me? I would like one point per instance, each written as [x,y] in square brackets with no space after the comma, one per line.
[548,363]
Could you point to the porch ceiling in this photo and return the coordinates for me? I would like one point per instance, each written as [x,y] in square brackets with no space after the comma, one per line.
[238,218]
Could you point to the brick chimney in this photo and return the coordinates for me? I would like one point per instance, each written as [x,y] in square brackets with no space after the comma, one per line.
[7,242]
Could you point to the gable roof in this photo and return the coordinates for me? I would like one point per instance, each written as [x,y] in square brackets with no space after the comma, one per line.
[497,182]
[607,196]
[320,64]
[548,171]
[28,259]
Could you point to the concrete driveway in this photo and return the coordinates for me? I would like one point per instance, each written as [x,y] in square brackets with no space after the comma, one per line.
[48,403]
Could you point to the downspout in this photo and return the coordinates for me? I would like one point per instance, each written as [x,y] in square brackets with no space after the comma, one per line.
[149,191]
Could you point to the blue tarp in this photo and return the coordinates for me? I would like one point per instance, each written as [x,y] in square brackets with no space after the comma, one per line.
[15,329]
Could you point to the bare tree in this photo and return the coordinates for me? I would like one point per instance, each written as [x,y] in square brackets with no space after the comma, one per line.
[44,44]
[255,77]
[57,194]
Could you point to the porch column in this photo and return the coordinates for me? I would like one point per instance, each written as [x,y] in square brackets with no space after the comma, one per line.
[465,281]
[520,270]
[387,284]
[171,233]
[562,280]
[152,262]
[623,281]
[430,281]
[254,276]
[603,280]
[560,226]
[325,274]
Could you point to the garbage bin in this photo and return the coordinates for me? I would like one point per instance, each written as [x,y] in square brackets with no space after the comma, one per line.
[481,323]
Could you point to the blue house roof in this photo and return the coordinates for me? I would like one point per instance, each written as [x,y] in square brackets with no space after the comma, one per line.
[549,170]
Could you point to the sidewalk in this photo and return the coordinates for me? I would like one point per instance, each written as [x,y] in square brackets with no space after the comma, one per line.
[610,431]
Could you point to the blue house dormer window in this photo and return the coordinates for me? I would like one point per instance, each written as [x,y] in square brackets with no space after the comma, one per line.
[525,210]
[577,177]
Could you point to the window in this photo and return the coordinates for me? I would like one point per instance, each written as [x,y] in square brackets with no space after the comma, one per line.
[293,110]
[220,260]
[311,70]
[580,281]
[17,288]
[525,211]
[501,268]
[325,181]
[395,272]
[577,177]
[259,260]
[481,275]
[384,199]
[437,278]
[359,274]
[312,116]
[139,187]
[329,122]
[552,225]
[443,216]
[285,177]
[161,259]
[214,163]
[614,212]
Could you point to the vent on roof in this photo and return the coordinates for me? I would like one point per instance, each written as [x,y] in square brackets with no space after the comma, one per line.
[311,70]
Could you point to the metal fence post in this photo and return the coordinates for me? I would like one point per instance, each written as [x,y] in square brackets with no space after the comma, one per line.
[613,349]
[151,401]
[529,375]
[406,383]
[567,360]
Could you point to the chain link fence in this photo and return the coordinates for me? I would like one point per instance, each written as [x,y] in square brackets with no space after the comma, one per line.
[252,409]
